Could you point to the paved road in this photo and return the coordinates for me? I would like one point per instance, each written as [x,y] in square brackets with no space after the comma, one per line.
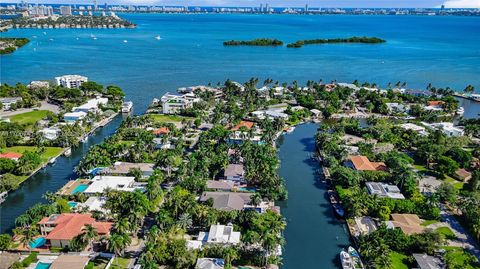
[464,239]
[43,106]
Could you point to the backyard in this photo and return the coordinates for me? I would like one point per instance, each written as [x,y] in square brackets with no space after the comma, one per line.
[30,118]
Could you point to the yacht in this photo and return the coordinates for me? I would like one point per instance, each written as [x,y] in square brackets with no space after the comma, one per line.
[335,202]
[158,37]
[460,111]
[68,152]
[346,260]
[127,107]
[355,257]
[3,196]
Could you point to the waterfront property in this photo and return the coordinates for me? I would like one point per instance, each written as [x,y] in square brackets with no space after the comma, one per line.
[70,81]
[408,223]
[11,156]
[59,230]
[174,103]
[72,117]
[235,172]
[384,190]
[99,184]
[447,128]
[362,163]
[91,105]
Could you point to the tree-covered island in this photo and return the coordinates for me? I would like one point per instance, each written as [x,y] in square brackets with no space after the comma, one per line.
[255,42]
[355,39]
[11,44]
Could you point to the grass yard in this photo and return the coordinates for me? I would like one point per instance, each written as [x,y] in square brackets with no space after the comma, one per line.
[428,222]
[456,257]
[457,184]
[169,118]
[446,232]
[98,263]
[47,155]
[399,261]
[30,118]
[120,263]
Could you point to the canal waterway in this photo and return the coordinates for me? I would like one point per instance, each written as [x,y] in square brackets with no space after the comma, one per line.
[314,236]
[49,179]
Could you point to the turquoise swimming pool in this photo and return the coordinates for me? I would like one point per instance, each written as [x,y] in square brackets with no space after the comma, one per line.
[42,265]
[72,204]
[80,188]
[37,242]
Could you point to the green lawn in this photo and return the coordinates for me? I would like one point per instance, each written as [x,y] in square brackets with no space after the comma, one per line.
[31,117]
[399,261]
[99,263]
[47,155]
[457,184]
[456,257]
[428,222]
[168,118]
[120,263]
[446,232]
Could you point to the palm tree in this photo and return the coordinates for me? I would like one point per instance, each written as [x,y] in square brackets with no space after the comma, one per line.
[27,236]
[89,235]
[122,226]
[184,221]
[230,254]
[117,243]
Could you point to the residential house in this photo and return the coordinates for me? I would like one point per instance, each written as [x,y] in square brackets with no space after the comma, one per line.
[119,183]
[227,201]
[159,132]
[235,172]
[91,105]
[362,163]
[408,223]
[424,261]
[71,81]
[95,203]
[218,234]
[7,102]
[395,108]
[210,263]
[415,128]
[246,124]
[124,168]
[384,190]
[272,114]
[174,103]
[14,156]
[50,133]
[463,175]
[60,229]
[72,117]
[447,128]
[316,113]
[70,262]
[37,84]
[220,185]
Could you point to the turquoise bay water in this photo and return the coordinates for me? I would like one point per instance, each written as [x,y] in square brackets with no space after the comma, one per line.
[442,50]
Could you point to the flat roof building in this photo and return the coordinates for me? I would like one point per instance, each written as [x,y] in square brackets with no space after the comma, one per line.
[384,190]
[100,183]
[70,81]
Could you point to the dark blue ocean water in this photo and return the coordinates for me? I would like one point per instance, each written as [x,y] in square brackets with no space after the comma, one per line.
[420,49]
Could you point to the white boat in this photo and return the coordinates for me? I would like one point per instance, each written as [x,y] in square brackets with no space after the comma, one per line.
[355,257]
[346,260]
[3,196]
[52,160]
[125,41]
[127,107]
[94,38]
[460,111]
[158,37]
[68,152]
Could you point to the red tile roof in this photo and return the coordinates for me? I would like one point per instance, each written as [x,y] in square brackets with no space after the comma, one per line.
[435,103]
[161,130]
[11,155]
[362,163]
[247,124]
[69,225]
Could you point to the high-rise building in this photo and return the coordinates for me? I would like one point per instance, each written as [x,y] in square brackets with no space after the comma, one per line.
[306,8]
[66,10]
[105,7]
[95,7]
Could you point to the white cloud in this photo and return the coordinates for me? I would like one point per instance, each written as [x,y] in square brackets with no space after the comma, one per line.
[462,3]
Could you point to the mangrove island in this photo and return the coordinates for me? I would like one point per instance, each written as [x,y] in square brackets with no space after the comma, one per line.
[355,39]
[9,44]
[254,42]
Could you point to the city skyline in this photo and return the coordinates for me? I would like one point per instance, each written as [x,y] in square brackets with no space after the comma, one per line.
[286,3]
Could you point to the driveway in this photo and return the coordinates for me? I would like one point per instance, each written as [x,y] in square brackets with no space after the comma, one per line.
[43,106]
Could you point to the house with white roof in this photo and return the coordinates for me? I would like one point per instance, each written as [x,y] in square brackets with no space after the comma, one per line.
[384,190]
[174,103]
[91,105]
[210,263]
[71,81]
[50,133]
[100,183]
[218,234]
[416,128]
[394,108]
[7,102]
[94,203]
[72,117]
[447,128]
[276,114]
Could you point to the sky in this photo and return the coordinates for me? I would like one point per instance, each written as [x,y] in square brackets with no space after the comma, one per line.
[285,3]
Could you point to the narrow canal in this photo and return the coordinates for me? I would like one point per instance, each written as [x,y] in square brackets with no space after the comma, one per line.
[49,179]
[314,236]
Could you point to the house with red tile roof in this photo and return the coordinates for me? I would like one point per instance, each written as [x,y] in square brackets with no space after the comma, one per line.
[246,124]
[161,131]
[362,163]
[11,155]
[60,229]
[435,103]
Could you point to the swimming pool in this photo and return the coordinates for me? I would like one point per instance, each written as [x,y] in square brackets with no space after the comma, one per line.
[72,204]
[37,242]
[80,188]
[42,265]
[247,189]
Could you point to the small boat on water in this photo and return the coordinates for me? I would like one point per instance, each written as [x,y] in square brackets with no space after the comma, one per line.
[52,161]
[127,106]
[460,111]
[335,202]
[68,152]
[125,41]
[346,260]
[3,196]
[355,258]
[158,37]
